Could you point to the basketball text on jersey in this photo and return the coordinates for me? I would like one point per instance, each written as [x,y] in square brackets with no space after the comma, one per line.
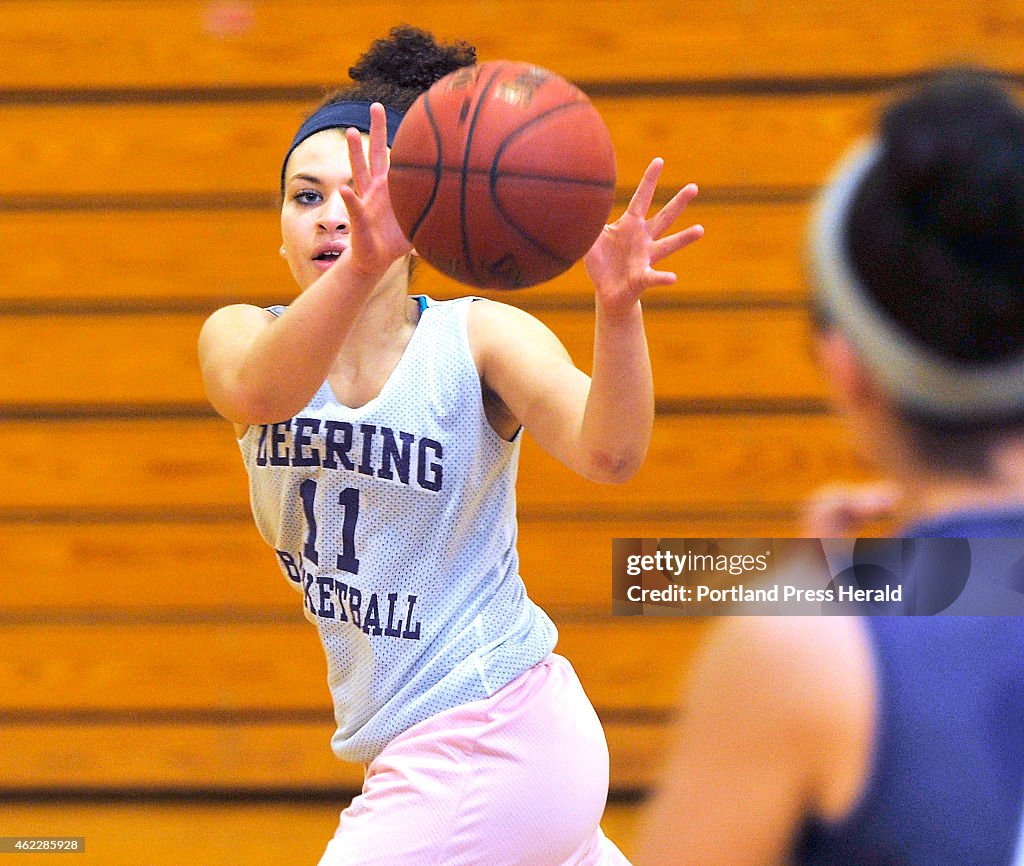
[329,598]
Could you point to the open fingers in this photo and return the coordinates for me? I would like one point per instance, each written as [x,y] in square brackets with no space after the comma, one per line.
[838,510]
[354,206]
[378,140]
[672,209]
[675,242]
[640,203]
[653,278]
[357,159]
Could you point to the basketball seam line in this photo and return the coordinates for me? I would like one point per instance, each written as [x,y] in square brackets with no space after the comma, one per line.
[438,167]
[565,106]
[466,252]
[511,175]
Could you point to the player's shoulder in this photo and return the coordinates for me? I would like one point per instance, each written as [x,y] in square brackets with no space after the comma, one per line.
[487,310]
[787,643]
[235,314]
[498,321]
[802,685]
[231,323]
[503,330]
[805,670]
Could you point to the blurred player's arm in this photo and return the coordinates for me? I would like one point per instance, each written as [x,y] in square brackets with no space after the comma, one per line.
[777,727]
[846,510]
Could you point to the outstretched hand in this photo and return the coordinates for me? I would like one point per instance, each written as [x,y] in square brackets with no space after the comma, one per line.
[841,511]
[377,240]
[620,263]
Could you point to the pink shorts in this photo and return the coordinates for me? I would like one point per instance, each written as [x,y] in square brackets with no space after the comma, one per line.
[518,778]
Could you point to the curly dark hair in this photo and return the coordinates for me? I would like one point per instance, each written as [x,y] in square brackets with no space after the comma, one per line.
[397,69]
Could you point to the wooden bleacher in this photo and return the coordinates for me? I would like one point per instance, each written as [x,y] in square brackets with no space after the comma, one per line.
[697,354]
[209,152]
[160,691]
[187,44]
[752,252]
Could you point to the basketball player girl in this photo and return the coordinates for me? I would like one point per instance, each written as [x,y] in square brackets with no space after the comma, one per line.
[889,740]
[380,432]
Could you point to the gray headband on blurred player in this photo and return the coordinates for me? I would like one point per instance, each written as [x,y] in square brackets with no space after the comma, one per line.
[912,374]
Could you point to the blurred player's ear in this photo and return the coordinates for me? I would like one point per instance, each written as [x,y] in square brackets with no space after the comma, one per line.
[848,378]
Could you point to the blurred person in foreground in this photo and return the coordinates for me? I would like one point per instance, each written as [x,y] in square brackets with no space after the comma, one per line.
[890,741]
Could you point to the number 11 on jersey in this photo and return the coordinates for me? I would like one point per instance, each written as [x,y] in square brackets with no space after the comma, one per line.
[348,499]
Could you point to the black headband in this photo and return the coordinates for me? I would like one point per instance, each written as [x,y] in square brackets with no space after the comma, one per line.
[339,115]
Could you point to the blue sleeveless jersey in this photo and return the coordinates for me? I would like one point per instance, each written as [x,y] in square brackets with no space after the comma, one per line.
[946,785]
[396,524]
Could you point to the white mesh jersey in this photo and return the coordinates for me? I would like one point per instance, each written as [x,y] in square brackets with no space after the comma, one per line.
[396,522]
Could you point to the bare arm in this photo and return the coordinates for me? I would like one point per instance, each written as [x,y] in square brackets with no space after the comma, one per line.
[258,369]
[598,427]
[777,727]
[620,403]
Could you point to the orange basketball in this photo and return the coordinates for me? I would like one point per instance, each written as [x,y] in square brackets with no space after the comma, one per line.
[502,175]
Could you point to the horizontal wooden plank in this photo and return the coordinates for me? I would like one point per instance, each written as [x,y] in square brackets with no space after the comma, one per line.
[209,152]
[173,756]
[694,462]
[84,359]
[209,258]
[185,44]
[263,757]
[194,568]
[254,668]
[711,354]
[170,834]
